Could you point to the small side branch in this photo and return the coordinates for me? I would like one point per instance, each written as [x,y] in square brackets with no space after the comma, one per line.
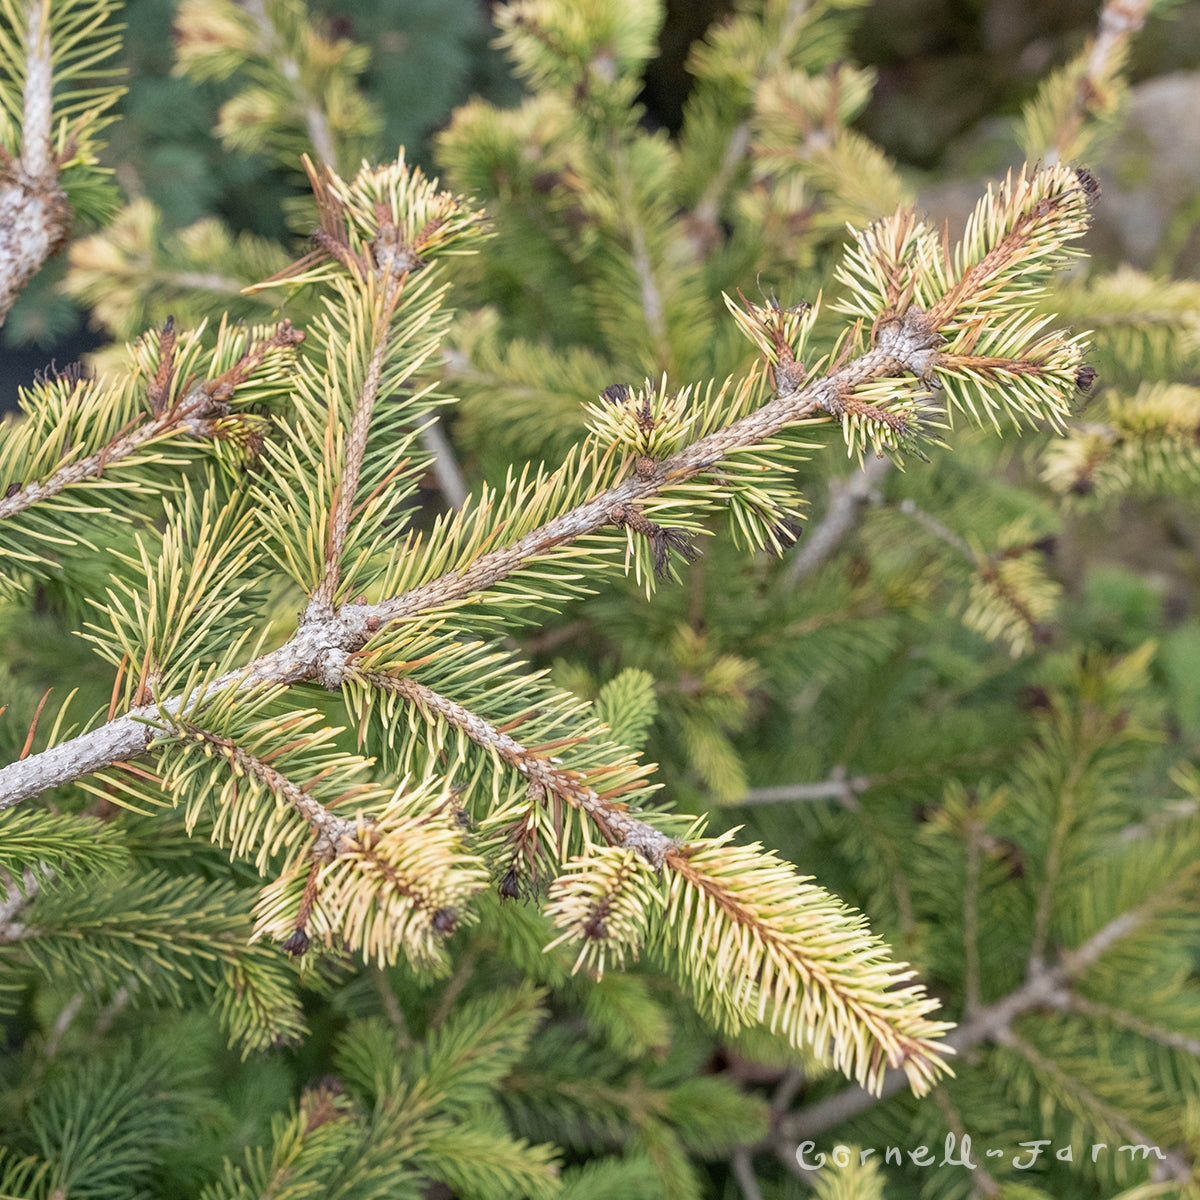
[35,218]
[846,502]
[839,786]
[332,831]
[616,825]
[190,415]
[1049,988]
[900,350]
[273,50]
[446,470]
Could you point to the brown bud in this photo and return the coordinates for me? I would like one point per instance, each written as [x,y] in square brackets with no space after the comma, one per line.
[297,944]
[787,533]
[1089,185]
[1034,698]
[595,928]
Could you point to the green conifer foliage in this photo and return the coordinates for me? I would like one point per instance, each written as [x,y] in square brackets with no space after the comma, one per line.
[341,869]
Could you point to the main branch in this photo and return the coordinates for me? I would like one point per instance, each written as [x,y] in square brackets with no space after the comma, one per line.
[320,648]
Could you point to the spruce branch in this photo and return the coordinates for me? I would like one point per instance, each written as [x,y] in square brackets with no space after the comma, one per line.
[331,832]
[546,778]
[301,93]
[1051,987]
[51,53]
[77,409]
[756,943]
[1074,1095]
[35,218]
[275,52]
[1076,104]
[903,348]
[747,920]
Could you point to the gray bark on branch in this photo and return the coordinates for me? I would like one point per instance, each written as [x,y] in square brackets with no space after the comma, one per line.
[319,648]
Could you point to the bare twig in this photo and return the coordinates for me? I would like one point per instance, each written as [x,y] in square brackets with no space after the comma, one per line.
[743,1171]
[1049,988]
[846,500]
[837,787]
[971,981]
[446,470]
[939,530]
[16,898]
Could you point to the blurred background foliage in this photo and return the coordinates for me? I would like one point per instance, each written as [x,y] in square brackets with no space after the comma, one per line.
[948,76]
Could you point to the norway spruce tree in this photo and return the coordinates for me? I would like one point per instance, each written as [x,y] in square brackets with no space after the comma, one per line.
[563,679]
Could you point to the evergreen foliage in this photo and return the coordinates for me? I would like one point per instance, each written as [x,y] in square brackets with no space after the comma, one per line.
[342,870]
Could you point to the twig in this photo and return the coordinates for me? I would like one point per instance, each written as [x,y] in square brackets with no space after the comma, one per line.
[1046,988]
[62,1023]
[846,499]
[708,207]
[743,1172]
[618,825]
[902,349]
[1125,1020]
[320,607]
[653,308]
[972,997]
[315,124]
[785,1092]
[983,1183]
[939,530]
[837,787]
[15,900]
[35,218]
[190,415]
[446,470]
[1119,21]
